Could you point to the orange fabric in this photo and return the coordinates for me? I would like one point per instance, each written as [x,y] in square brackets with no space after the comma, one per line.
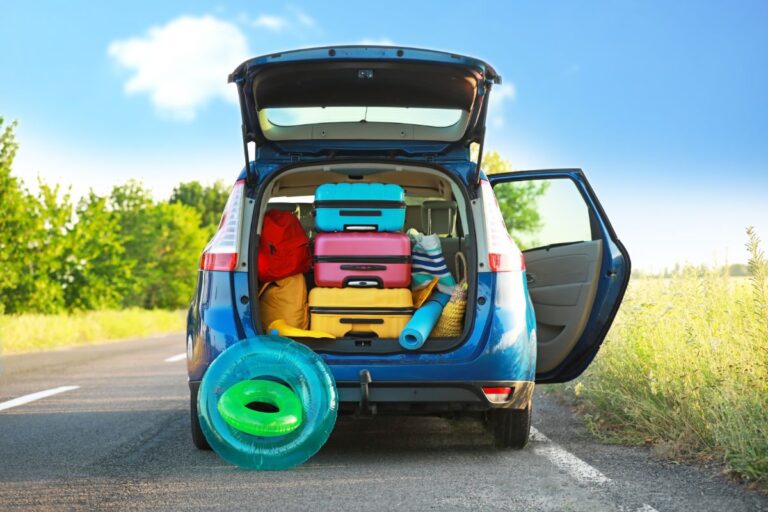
[285,300]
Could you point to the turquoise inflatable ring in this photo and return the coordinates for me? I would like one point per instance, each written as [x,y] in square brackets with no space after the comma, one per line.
[233,407]
[259,364]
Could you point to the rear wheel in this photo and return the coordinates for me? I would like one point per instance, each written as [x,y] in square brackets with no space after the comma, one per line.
[197,434]
[510,427]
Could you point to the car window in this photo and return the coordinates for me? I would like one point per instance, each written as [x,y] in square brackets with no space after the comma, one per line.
[543,212]
[295,116]
[292,199]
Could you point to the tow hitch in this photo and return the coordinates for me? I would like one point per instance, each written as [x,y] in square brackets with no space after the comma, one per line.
[365,408]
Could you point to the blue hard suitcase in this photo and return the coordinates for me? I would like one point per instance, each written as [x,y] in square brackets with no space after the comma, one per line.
[359,207]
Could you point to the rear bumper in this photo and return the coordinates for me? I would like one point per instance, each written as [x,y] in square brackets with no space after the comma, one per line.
[427,397]
[417,397]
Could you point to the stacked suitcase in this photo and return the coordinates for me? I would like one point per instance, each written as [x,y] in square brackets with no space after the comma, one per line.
[362,261]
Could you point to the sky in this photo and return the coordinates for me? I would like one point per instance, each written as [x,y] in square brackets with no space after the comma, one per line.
[663,104]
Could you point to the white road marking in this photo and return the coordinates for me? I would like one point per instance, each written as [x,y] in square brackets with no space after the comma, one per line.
[35,396]
[566,461]
[571,464]
[176,358]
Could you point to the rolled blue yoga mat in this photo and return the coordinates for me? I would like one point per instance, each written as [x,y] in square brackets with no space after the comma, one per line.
[423,321]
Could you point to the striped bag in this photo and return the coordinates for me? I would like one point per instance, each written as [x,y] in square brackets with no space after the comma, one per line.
[428,262]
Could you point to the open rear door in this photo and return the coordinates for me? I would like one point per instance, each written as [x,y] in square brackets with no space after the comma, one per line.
[576,267]
[374,100]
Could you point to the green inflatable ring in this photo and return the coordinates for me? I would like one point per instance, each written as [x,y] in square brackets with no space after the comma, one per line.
[233,410]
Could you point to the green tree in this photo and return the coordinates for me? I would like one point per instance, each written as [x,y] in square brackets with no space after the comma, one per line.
[162,243]
[168,276]
[96,273]
[121,250]
[15,221]
[208,201]
[33,238]
[517,200]
[130,204]
[42,286]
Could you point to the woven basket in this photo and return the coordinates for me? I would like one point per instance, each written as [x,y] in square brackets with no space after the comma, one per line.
[451,321]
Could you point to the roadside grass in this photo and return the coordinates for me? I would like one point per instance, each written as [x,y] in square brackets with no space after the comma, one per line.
[685,368]
[32,332]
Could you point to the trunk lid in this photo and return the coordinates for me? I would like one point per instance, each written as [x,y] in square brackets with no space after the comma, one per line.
[363,99]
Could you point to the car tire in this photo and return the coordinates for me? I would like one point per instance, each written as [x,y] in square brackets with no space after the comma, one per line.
[198,439]
[510,427]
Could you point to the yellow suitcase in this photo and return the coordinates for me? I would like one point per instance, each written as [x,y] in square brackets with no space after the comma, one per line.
[360,311]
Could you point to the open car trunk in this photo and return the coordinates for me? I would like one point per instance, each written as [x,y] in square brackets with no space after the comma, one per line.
[435,203]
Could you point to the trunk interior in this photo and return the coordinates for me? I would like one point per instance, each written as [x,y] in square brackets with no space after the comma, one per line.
[436,203]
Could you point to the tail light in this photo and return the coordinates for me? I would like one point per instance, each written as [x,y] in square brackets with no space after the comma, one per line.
[503,254]
[221,253]
[497,395]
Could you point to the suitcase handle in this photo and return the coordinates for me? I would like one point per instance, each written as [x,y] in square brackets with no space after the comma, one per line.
[361,320]
[360,227]
[364,268]
[360,213]
[362,282]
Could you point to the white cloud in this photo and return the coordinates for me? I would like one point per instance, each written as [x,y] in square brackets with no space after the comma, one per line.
[302,17]
[183,64]
[380,41]
[293,21]
[270,22]
[500,95]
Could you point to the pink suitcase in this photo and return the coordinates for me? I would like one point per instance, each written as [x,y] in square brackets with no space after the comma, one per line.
[362,260]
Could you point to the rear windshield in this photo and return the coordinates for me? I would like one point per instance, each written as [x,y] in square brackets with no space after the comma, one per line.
[295,116]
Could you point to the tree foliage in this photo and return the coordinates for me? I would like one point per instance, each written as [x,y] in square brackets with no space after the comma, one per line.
[121,250]
[208,201]
[50,212]
[517,200]
[14,221]
[97,273]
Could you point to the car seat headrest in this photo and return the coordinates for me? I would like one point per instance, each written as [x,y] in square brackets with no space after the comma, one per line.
[413,217]
[438,217]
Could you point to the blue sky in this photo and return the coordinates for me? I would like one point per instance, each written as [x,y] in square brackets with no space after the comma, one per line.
[665,105]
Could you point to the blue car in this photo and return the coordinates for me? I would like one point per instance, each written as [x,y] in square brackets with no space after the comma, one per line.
[546,272]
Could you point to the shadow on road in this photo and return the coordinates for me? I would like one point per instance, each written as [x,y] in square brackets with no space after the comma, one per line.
[398,436]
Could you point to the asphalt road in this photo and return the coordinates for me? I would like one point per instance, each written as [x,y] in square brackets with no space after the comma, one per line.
[120,440]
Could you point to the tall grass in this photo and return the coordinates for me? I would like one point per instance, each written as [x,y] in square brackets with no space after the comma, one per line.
[31,332]
[685,367]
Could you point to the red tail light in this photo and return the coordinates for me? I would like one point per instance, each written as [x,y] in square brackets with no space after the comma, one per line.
[495,394]
[221,253]
[503,254]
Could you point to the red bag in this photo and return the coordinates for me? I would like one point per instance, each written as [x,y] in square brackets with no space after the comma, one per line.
[284,247]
